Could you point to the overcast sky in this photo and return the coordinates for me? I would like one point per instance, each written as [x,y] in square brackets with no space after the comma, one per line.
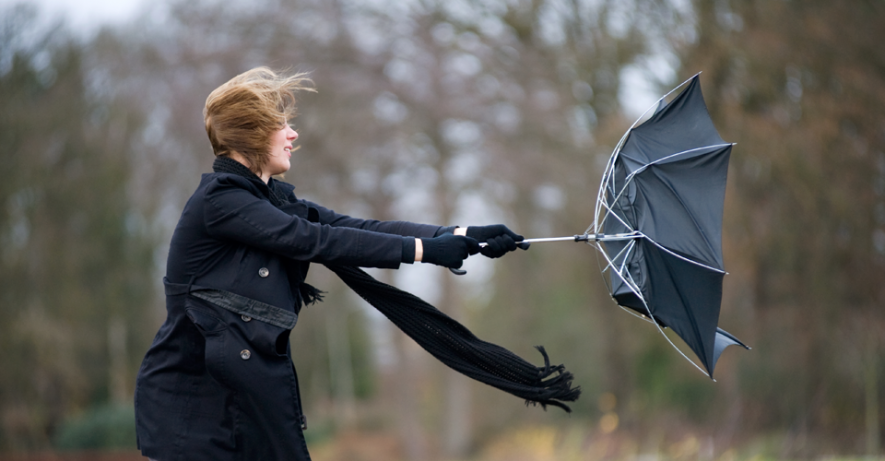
[85,15]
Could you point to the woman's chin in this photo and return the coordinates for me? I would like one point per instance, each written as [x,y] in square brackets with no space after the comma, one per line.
[280,169]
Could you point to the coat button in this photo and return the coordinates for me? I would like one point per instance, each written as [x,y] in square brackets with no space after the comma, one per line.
[246,318]
[245,354]
[263,272]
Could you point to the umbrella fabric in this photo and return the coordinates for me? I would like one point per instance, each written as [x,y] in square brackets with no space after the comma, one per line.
[667,187]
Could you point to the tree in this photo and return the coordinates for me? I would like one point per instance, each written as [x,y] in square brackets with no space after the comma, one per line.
[76,263]
[799,85]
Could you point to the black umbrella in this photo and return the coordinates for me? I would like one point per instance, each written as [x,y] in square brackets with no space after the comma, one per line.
[665,187]
[658,222]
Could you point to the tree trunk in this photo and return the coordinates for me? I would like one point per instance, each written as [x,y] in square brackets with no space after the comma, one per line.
[871,379]
[456,420]
[340,366]
[117,371]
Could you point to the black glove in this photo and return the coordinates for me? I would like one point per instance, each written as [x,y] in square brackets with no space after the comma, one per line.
[448,250]
[499,238]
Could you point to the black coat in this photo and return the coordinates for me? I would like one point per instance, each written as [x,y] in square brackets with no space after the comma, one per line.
[218,381]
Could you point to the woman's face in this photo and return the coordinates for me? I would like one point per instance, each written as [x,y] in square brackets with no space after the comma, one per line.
[280,151]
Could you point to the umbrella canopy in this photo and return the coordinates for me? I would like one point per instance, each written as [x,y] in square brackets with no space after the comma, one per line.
[659,222]
[660,209]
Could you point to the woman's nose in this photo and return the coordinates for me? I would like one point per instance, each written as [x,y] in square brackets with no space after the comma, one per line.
[293,135]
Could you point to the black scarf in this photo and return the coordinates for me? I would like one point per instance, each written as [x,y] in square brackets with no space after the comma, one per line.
[440,335]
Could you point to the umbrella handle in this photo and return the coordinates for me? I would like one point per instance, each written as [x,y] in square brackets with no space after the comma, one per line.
[522,244]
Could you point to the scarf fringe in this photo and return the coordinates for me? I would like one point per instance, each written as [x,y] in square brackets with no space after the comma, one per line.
[310,294]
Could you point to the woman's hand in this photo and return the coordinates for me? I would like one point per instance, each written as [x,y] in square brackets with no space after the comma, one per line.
[500,240]
[447,250]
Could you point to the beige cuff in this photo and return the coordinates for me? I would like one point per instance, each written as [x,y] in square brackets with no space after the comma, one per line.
[419,250]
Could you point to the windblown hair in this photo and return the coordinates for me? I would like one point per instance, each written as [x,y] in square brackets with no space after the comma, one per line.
[242,114]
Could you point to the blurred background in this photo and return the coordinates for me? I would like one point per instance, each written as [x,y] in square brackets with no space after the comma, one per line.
[460,112]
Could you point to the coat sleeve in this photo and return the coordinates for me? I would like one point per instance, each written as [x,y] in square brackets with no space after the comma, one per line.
[233,212]
[403,228]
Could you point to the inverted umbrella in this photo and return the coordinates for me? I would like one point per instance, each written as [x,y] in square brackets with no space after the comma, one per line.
[658,222]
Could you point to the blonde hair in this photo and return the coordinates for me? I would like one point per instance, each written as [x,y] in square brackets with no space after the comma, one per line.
[242,114]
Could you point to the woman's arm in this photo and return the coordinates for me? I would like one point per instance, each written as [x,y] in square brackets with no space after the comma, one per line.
[233,212]
[403,228]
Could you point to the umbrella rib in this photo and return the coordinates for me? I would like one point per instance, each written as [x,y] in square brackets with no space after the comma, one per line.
[677,255]
[674,346]
[630,283]
[626,248]
[610,262]
[608,176]
[610,211]
[629,250]
[635,314]
[635,289]
[632,175]
[645,167]
[600,200]
[694,221]
[694,327]
[661,99]
[609,170]
[629,179]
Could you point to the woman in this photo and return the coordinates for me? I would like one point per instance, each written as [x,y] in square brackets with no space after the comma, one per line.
[218,381]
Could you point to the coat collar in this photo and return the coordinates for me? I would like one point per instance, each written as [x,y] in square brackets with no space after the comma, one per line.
[275,193]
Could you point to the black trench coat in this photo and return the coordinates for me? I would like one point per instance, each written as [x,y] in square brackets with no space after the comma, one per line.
[218,381]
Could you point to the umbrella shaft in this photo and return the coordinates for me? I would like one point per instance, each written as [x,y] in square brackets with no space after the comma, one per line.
[575,238]
[581,238]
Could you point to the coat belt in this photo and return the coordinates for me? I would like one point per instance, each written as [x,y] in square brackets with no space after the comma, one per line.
[235,303]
